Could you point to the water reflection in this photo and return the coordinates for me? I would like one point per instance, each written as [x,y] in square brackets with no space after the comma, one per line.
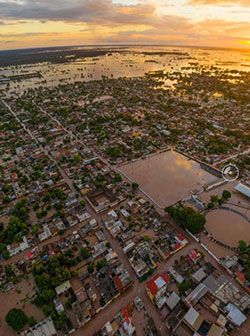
[168,177]
[125,62]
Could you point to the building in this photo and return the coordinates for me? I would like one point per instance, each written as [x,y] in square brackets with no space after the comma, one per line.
[156,289]
[43,328]
[243,189]
[195,321]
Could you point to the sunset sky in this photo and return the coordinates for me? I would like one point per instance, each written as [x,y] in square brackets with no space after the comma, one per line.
[38,23]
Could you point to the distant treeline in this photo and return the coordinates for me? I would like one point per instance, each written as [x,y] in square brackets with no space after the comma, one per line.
[52,55]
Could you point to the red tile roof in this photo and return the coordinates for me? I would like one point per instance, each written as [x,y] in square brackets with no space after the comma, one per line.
[118,283]
[152,285]
[193,255]
[176,246]
[241,276]
[180,237]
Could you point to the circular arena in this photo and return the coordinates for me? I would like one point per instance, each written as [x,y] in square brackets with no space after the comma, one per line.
[227,227]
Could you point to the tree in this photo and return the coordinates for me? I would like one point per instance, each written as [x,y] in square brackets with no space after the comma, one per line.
[102,302]
[20,210]
[15,230]
[108,245]
[214,199]
[184,286]
[91,268]
[77,158]
[32,321]
[84,252]
[244,252]
[135,186]
[2,248]
[226,194]
[48,294]
[187,218]
[100,264]
[6,255]
[114,152]
[117,178]
[16,319]
[242,246]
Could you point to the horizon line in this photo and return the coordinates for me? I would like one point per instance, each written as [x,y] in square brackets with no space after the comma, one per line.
[130,45]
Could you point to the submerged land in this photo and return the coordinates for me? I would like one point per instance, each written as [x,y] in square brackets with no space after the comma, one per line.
[116,218]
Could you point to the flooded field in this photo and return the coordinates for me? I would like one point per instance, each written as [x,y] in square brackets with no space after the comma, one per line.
[168,177]
[18,298]
[228,227]
[120,62]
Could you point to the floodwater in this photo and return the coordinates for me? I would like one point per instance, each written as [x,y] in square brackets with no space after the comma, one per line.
[227,227]
[18,297]
[125,62]
[168,177]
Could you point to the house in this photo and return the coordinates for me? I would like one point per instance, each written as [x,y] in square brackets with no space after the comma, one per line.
[156,289]
[196,322]
[172,300]
[235,315]
[194,256]
[63,288]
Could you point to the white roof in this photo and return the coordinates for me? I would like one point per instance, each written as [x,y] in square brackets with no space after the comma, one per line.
[112,213]
[173,300]
[43,328]
[191,316]
[108,327]
[62,288]
[243,189]
[128,247]
[160,282]
[235,315]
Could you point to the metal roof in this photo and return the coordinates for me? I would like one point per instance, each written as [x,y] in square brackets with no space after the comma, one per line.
[243,189]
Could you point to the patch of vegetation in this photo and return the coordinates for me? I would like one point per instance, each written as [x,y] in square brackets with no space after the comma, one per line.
[244,252]
[187,218]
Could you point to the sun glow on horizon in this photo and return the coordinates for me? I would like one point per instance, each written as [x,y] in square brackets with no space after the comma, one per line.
[183,22]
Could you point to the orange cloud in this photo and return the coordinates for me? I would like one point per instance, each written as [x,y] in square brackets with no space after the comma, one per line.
[220,2]
[71,22]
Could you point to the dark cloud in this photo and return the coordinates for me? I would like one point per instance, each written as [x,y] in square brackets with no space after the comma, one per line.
[98,11]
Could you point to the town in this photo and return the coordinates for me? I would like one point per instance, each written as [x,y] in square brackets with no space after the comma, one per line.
[115,216]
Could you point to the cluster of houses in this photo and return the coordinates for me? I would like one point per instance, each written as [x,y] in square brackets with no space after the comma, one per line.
[59,198]
[235,267]
[194,297]
[121,325]
[124,323]
[125,119]
[145,237]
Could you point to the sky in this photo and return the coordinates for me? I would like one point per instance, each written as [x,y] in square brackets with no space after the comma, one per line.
[42,23]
